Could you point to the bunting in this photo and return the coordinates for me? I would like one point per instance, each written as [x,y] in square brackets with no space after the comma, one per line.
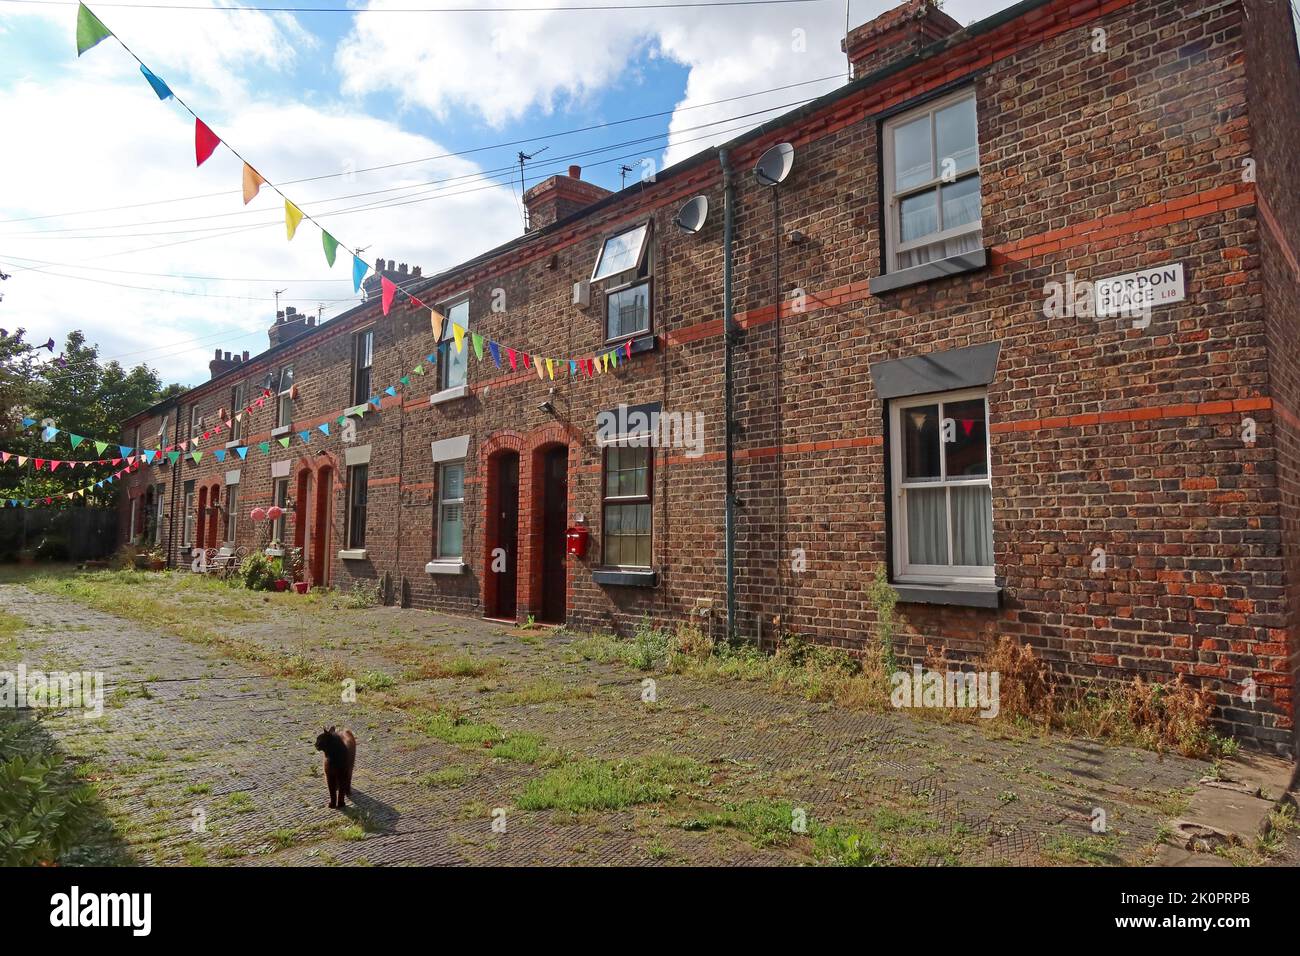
[90,30]
[292,216]
[205,142]
[253,183]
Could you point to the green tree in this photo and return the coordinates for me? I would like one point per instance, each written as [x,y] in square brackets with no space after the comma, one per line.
[82,396]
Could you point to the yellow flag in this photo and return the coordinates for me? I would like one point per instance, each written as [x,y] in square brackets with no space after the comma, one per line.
[252,183]
[550,368]
[292,216]
[435,319]
[457,331]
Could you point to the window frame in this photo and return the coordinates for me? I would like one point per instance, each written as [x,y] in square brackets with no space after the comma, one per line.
[231,501]
[160,511]
[442,502]
[892,198]
[649,282]
[284,398]
[359,395]
[606,500]
[643,251]
[281,524]
[194,422]
[355,485]
[236,408]
[135,507]
[446,344]
[904,571]
[188,493]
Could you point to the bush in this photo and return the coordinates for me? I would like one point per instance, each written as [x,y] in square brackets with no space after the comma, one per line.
[45,810]
[260,572]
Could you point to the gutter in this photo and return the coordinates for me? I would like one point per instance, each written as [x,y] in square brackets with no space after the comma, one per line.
[728,340]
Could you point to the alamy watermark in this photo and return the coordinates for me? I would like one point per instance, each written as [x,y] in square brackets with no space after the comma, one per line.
[638,428]
[976,690]
[53,690]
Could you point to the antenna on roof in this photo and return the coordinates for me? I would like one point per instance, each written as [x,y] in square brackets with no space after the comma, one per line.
[523,158]
[278,293]
[622,175]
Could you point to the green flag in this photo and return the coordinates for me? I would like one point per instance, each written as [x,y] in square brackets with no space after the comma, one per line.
[418,370]
[264,447]
[75,439]
[197,456]
[174,456]
[284,442]
[331,246]
[478,345]
[100,446]
[89,30]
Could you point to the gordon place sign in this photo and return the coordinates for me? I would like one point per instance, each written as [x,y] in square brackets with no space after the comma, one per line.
[1138,292]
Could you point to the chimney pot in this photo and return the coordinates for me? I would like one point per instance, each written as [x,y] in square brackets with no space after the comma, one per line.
[575,172]
[896,34]
[402,268]
[245,357]
[227,356]
[217,356]
[416,272]
[289,312]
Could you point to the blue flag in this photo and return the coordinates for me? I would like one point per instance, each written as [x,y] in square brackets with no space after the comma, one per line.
[159,87]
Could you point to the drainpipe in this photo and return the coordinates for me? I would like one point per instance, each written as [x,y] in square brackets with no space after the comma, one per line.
[728,339]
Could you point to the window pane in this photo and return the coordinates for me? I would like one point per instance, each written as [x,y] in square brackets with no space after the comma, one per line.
[918,216]
[628,311]
[365,349]
[286,378]
[972,526]
[913,159]
[927,526]
[620,253]
[459,314]
[967,453]
[449,531]
[957,136]
[961,203]
[921,443]
[453,482]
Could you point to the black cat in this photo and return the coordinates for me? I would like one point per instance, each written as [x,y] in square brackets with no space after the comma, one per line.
[340,751]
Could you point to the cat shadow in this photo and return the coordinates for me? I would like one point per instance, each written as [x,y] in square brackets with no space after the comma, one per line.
[374,815]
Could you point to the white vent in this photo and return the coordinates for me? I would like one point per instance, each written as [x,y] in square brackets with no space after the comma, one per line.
[582,294]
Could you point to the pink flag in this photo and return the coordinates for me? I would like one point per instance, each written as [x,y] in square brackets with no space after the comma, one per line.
[388,289]
[629,348]
[205,141]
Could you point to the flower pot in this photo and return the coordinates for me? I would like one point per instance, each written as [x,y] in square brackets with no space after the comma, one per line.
[300,587]
[157,564]
[282,585]
[142,562]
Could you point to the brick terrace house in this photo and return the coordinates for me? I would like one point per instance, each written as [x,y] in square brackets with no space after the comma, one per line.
[1122,493]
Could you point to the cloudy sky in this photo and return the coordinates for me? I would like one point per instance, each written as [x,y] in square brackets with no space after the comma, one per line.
[107,226]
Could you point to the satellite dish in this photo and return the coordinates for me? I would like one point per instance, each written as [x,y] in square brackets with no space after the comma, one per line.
[690,218]
[774,165]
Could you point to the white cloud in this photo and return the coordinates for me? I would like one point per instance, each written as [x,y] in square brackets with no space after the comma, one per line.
[112,143]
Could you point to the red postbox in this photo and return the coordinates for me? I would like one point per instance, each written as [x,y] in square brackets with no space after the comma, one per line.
[576,541]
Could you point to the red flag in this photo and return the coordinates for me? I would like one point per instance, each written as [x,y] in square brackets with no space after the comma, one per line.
[513,356]
[40,463]
[205,141]
[629,348]
[416,302]
[389,289]
[526,365]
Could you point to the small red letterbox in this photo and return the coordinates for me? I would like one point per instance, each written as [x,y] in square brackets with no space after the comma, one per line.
[576,541]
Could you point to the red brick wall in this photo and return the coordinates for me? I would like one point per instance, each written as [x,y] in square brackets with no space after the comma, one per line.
[1102,435]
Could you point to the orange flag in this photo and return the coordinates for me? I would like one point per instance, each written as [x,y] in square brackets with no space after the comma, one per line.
[252,183]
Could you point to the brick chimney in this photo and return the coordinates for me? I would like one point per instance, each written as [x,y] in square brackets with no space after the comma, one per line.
[398,273]
[559,197]
[223,362]
[896,34]
[289,324]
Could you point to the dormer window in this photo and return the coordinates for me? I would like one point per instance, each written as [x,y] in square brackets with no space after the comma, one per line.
[622,256]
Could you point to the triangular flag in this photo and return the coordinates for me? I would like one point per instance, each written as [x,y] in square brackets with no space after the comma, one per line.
[435,320]
[173,456]
[50,433]
[527,360]
[100,446]
[149,456]
[376,401]
[221,454]
[242,452]
[418,370]
[459,334]
[304,436]
[156,82]
[89,30]
[514,357]
[359,269]
[477,341]
[629,348]
[292,216]
[387,290]
[205,142]
[252,183]
[405,380]
[537,364]
[496,352]
[324,428]
[331,247]
[197,456]
[40,464]
[28,422]
[390,391]
[75,439]
[284,442]
[4,456]
[264,447]
[341,420]
[573,368]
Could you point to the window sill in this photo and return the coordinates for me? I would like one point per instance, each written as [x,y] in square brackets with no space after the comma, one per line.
[625,579]
[233,444]
[281,431]
[940,269]
[641,342]
[352,554]
[446,567]
[956,595]
[448,395]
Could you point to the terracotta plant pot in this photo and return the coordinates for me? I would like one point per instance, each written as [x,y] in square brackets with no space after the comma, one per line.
[282,585]
[300,587]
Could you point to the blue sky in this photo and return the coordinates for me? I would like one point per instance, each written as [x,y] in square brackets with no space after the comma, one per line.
[325,95]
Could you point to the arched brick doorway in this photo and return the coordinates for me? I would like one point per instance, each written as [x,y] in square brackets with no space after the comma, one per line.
[501,551]
[548,519]
[313,519]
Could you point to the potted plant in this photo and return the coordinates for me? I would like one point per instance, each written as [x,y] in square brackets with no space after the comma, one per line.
[293,564]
